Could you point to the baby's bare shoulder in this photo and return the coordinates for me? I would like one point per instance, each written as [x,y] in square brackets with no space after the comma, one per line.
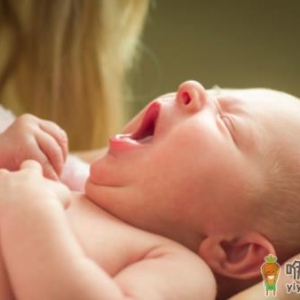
[140,261]
[184,258]
[167,267]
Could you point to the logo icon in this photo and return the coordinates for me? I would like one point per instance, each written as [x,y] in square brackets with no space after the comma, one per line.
[292,269]
[270,270]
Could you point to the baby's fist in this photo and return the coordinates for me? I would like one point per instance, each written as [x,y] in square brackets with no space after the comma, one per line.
[32,138]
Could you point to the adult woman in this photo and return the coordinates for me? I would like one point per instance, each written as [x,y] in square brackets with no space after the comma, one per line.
[68,56]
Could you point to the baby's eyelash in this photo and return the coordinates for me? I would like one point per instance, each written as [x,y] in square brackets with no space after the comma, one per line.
[226,121]
[222,116]
[225,118]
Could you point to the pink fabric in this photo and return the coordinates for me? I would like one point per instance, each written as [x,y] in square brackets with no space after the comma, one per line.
[75,171]
[6,118]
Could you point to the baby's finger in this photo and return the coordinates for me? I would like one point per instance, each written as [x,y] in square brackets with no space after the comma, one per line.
[57,133]
[50,155]
[31,164]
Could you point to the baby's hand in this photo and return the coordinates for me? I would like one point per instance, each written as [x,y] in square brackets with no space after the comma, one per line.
[32,138]
[28,188]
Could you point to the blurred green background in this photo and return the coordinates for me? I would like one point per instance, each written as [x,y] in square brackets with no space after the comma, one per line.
[231,43]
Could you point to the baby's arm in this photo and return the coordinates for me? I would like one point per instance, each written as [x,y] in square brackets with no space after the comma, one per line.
[5,290]
[45,261]
[29,137]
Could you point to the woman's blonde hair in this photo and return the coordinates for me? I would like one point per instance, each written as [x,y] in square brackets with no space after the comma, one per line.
[66,60]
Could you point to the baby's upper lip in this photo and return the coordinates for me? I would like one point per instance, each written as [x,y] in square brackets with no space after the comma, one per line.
[146,130]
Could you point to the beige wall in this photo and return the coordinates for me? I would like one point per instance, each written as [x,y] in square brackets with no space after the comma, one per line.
[231,43]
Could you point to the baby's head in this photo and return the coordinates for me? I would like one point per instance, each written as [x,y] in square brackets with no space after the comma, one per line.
[272,201]
[215,170]
[277,200]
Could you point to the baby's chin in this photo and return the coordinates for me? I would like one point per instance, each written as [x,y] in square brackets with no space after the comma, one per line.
[90,189]
[97,193]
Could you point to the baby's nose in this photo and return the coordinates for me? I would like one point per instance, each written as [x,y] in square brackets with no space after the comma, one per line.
[191,96]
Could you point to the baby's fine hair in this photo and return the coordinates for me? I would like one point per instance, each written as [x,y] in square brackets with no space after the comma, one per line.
[278,203]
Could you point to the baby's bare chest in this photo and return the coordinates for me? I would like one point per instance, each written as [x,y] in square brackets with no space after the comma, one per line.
[109,242]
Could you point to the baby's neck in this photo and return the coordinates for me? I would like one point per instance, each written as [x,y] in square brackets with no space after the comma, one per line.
[181,235]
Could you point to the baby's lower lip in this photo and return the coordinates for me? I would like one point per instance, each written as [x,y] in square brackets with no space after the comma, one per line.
[128,139]
[124,142]
[119,138]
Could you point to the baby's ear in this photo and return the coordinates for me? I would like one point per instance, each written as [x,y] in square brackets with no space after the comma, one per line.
[239,258]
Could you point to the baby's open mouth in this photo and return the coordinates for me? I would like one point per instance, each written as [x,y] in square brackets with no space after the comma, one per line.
[146,131]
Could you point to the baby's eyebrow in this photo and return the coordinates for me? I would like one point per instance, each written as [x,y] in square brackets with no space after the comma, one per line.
[231,104]
[216,90]
[226,100]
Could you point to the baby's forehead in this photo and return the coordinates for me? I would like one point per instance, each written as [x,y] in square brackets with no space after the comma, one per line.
[257,93]
[265,93]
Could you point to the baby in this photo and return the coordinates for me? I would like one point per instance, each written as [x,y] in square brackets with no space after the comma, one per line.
[197,173]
